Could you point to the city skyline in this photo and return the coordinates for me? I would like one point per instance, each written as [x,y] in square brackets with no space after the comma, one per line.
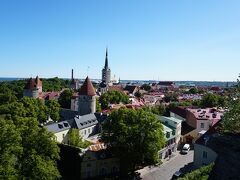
[146,41]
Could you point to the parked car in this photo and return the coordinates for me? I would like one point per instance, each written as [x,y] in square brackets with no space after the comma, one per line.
[185,149]
[177,175]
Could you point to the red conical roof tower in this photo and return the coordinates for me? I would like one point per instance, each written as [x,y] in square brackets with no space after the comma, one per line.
[87,88]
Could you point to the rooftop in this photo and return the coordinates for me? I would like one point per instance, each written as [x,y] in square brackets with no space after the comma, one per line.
[79,122]
[33,83]
[175,120]
[207,113]
[87,88]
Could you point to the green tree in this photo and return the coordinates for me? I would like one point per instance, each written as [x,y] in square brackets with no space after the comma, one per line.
[53,109]
[170,97]
[76,140]
[65,98]
[169,107]
[138,95]
[146,87]
[7,97]
[134,136]
[13,87]
[199,174]
[16,109]
[193,91]
[159,109]
[27,150]
[231,119]
[29,107]
[34,108]
[10,141]
[209,100]
[98,105]
[113,97]
[55,84]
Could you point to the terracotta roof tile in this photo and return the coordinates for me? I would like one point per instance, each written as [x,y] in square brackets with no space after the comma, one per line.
[87,88]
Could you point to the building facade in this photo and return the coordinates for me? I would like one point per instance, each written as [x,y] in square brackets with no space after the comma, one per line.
[87,98]
[33,88]
[172,132]
[87,126]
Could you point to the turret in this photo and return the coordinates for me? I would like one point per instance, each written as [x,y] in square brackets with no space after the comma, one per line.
[87,99]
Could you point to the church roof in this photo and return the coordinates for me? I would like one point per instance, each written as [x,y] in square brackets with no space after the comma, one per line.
[87,88]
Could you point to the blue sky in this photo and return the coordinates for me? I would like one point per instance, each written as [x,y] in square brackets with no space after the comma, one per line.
[147,39]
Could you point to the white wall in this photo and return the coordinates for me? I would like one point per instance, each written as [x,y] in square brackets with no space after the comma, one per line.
[199,160]
[87,131]
[206,125]
[62,137]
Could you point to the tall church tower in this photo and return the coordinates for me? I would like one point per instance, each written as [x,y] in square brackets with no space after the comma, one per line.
[87,99]
[106,72]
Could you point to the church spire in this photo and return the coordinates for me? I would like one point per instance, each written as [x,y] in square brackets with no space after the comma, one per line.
[106,59]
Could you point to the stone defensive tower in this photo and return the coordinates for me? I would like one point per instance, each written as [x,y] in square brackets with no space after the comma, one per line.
[87,98]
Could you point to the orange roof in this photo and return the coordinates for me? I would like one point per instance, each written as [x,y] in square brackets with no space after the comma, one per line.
[97,147]
[87,88]
[33,83]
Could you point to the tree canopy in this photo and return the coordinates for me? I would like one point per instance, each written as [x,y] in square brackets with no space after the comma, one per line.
[134,136]
[76,140]
[170,97]
[212,100]
[55,84]
[199,174]
[159,109]
[29,107]
[27,150]
[231,119]
[146,87]
[65,98]
[113,97]
[193,91]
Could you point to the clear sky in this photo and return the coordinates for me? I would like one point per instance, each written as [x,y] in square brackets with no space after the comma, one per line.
[146,39]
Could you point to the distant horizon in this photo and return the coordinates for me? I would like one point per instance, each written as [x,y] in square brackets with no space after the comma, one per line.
[117,79]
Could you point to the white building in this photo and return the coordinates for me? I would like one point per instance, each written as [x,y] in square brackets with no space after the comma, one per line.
[87,126]
[173,123]
[172,132]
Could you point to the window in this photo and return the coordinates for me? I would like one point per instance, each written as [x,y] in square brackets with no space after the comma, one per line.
[85,131]
[160,155]
[202,125]
[168,135]
[63,136]
[89,131]
[204,155]
[173,132]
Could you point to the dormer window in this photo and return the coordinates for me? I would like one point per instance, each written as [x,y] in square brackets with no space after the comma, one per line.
[168,135]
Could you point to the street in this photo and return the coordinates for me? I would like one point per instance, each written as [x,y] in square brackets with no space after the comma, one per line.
[167,169]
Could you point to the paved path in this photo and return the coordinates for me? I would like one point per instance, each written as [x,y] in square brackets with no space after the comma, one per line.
[167,169]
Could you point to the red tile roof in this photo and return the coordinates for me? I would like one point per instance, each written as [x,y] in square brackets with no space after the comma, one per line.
[87,88]
[33,83]
[97,147]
